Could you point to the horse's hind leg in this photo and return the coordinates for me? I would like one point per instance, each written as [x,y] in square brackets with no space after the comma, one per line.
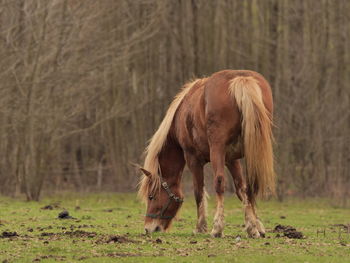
[253,225]
[196,168]
[217,158]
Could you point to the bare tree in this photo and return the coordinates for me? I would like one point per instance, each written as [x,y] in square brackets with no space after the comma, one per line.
[84,84]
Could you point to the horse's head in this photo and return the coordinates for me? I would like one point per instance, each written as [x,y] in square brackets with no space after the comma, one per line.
[163,202]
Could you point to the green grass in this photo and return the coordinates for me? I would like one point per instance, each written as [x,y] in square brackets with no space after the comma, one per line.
[42,237]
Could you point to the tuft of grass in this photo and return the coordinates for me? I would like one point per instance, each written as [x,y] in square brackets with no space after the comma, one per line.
[109,228]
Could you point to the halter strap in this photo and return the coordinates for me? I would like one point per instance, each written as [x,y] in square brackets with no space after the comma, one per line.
[171,195]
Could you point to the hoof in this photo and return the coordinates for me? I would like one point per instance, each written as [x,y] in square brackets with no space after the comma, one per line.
[260,227]
[252,231]
[201,228]
[254,228]
[200,231]
[216,234]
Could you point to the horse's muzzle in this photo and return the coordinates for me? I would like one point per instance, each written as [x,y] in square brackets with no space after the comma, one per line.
[150,230]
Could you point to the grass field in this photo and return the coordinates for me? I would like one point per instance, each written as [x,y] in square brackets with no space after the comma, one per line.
[109,228]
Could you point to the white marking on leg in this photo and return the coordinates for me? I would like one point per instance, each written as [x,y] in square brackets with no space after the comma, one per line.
[202,214]
[261,227]
[219,218]
[250,220]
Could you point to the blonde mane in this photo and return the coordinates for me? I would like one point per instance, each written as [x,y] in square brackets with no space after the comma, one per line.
[156,143]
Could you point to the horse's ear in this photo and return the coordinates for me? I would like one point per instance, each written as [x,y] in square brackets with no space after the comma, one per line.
[145,172]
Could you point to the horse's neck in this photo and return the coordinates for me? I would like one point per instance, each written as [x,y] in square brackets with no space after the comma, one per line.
[171,161]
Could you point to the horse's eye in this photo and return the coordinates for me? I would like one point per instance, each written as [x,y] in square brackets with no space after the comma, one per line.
[150,197]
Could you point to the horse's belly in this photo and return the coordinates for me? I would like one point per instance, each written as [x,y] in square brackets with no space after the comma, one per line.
[235,149]
[201,144]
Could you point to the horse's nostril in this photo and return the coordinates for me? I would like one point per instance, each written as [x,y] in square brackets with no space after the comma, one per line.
[157,229]
[146,231]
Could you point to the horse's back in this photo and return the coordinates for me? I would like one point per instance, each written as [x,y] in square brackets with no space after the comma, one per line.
[220,105]
[209,112]
[217,85]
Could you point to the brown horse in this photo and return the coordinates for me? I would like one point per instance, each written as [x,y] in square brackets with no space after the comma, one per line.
[219,119]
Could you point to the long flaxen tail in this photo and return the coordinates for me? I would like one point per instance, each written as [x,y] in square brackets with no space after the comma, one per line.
[257,135]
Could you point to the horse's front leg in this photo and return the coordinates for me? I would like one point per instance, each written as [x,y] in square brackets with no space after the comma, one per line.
[196,168]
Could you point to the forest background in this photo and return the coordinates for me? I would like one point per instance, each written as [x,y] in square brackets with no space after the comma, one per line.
[85,84]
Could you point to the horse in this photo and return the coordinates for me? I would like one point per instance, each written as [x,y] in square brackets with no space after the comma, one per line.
[219,119]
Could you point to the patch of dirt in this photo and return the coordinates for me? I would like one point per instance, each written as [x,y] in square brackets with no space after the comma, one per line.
[3,222]
[39,228]
[65,215]
[288,231]
[115,239]
[45,234]
[7,234]
[56,258]
[47,207]
[294,234]
[72,227]
[80,233]
[76,233]
[119,254]
[50,206]
[345,227]
[282,229]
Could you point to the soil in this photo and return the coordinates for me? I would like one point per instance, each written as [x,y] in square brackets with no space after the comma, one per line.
[47,207]
[115,239]
[345,227]
[3,222]
[120,239]
[50,206]
[282,229]
[46,234]
[56,258]
[65,215]
[76,233]
[118,254]
[80,233]
[8,234]
[288,231]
